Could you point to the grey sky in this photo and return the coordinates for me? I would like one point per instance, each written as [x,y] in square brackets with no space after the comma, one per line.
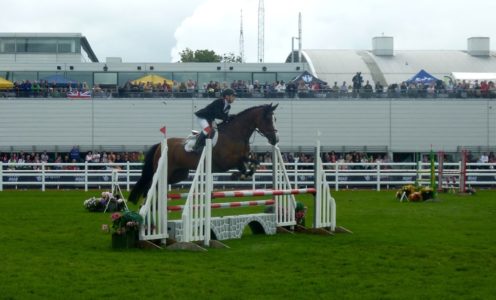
[155,31]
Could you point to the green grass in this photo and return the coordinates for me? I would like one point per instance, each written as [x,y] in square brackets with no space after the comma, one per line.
[51,248]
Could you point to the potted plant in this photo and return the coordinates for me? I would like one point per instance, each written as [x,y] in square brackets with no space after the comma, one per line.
[126,226]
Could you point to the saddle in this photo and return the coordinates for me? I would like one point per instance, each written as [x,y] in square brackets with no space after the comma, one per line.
[190,140]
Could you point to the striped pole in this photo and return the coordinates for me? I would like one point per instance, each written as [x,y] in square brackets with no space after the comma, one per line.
[250,193]
[262,193]
[228,204]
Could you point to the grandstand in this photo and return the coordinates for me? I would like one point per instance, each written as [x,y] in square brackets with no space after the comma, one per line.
[115,122]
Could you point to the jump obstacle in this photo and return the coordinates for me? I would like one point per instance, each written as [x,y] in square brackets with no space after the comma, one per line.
[197,225]
[448,179]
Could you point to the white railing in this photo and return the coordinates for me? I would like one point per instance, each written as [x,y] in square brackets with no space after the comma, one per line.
[154,210]
[375,176]
[196,213]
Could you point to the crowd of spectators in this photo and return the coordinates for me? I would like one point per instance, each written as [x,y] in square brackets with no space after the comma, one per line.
[116,158]
[356,88]
[69,159]
[45,89]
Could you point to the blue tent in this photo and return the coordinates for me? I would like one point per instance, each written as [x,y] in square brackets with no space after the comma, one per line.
[423,77]
[59,80]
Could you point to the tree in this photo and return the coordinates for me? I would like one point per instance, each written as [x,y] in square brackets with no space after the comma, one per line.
[231,58]
[188,55]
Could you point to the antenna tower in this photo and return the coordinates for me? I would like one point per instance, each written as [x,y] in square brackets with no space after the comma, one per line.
[299,37]
[241,40]
[261,30]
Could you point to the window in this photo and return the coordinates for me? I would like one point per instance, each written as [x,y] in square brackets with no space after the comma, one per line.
[205,77]
[183,77]
[41,45]
[68,45]
[81,77]
[286,77]
[7,46]
[230,77]
[106,80]
[19,76]
[126,76]
[264,77]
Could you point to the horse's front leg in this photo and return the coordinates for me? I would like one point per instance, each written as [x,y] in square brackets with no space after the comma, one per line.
[247,167]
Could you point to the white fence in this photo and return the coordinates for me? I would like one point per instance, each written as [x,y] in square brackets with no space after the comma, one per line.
[375,176]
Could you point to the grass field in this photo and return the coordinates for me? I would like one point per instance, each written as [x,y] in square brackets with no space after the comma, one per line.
[51,248]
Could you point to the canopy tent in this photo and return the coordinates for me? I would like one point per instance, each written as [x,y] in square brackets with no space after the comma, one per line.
[468,76]
[154,79]
[423,77]
[59,80]
[6,84]
[307,78]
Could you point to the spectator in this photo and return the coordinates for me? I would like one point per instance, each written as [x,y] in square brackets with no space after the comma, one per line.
[343,91]
[302,89]
[74,154]
[379,89]
[367,90]
[291,89]
[357,84]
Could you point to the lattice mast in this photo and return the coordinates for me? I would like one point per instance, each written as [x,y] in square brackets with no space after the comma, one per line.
[261,30]
[299,37]
[241,40]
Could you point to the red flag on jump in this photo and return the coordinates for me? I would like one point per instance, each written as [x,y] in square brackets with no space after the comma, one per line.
[163,130]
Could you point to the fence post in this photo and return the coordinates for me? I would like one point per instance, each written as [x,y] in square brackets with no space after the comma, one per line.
[253,181]
[43,176]
[336,177]
[128,175]
[296,172]
[1,176]
[85,176]
[378,173]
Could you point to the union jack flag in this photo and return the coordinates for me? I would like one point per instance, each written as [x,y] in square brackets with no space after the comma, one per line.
[79,95]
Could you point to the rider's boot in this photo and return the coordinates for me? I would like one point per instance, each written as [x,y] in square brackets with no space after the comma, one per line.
[200,142]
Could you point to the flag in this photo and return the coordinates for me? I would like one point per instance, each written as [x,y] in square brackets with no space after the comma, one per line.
[79,95]
[163,130]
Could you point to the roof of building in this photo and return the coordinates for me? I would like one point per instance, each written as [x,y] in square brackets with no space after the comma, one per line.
[341,65]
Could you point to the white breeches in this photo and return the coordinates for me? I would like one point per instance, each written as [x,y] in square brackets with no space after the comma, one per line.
[203,125]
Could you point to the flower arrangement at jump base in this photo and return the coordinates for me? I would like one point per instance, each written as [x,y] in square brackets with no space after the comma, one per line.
[108,202]
[125,229]
[415,194]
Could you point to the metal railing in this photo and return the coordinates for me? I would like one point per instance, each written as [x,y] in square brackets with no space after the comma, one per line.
[339,175]
[263,93]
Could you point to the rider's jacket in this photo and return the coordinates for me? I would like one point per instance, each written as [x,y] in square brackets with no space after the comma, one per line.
[215,110]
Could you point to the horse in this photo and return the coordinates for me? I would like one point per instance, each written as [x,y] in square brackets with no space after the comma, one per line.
[231,151]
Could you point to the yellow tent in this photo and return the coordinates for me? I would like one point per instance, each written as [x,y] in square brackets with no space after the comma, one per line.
[5,84]
[154,79]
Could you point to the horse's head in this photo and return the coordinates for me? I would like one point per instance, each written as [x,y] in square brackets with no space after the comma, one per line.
[265,123]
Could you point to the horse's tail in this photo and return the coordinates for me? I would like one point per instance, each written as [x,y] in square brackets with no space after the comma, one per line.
[143,184]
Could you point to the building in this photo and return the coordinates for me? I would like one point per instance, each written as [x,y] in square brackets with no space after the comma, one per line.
[370,125]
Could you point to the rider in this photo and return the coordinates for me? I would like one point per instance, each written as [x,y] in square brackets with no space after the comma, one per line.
[218,109]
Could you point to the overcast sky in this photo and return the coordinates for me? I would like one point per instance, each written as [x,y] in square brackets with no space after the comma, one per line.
[157,30]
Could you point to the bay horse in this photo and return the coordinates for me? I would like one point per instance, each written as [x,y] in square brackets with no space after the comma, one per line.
[231,151]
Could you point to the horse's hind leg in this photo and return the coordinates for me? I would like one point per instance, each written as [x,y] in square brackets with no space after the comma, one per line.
[178,176]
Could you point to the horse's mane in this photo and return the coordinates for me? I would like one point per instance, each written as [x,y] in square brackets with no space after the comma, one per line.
[222,126]
[250,109]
